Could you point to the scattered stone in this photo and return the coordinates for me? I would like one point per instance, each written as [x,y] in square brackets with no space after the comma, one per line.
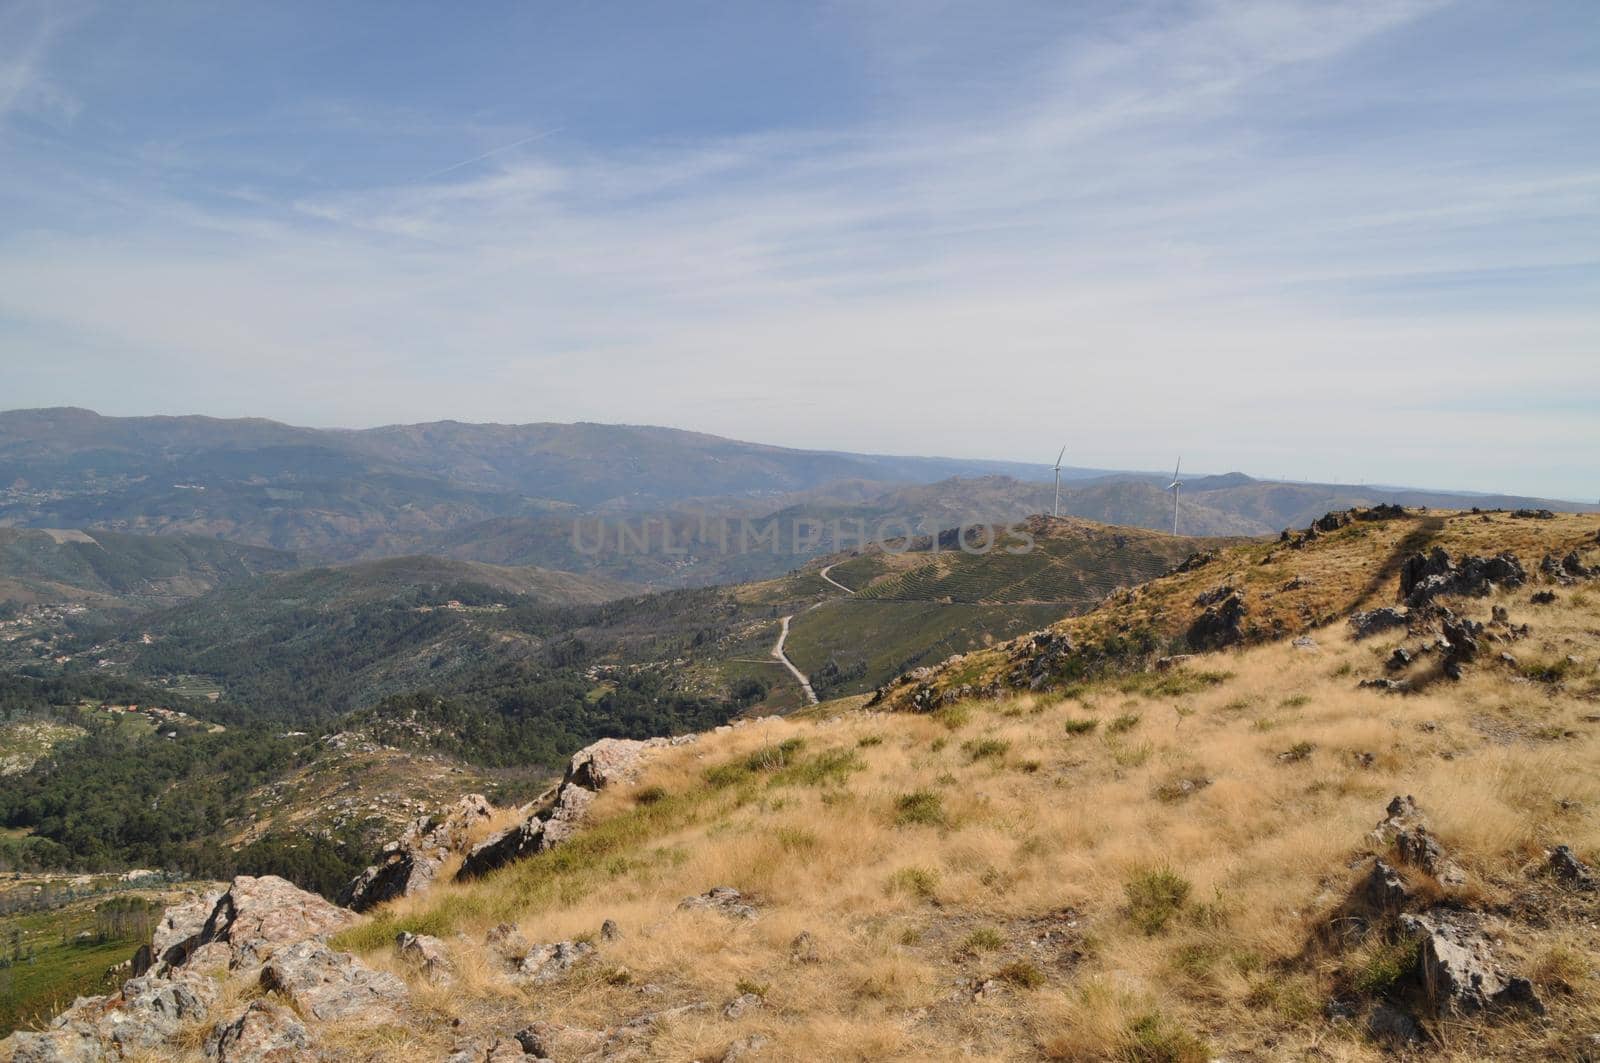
[1388,686]
[1304,642]
[1365,760]
[724,900]
[264,1033]
[745,1048]
[546,963]
[1566,866]
[553,1040]
[1375,620]
[1399,660]
[1543,597]
[426,953]
[610,931]
[258,915]
[507,941]
[332,986]
[742,1005]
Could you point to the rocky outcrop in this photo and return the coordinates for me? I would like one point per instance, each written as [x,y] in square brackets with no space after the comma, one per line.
[1375,620]
[332,986]
[263,931]
[412,862]
[593,768]
[264,1032]
[1425,577]
[1457,967]
[1221,625]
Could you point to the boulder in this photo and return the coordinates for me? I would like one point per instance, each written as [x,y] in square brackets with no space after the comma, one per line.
[332,986]
[258,915]
[742,1005]
[264,1033]
[1425,577]
[177,935]
[1375,620]
[1456,963]
[546,963]
[1221,625]
[1566,866]
[500,849]
[53,1046]
[553,1040]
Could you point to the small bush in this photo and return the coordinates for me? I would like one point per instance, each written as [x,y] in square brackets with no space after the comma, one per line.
[795,839]
[919,882]
[1130,756]
[831,765]
[984,939]
[1124,723]
[954,717]
[1081,727]
[1298,751]
[986,749]
[650,795]
[869,740]
[1022,974]
[619,976]
[1384,965]
[745,985]
[1295,701]
[1154,897]
[922,807]
[1153,1038]
[774,758]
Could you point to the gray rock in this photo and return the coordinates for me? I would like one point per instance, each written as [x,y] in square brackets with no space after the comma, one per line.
[745,1048]
[500,849]
[412,861]
[724,900]
[1375,620]
[1391,1026]
[333,986]
[1459,974]
[425,953]
[258,915]
[1221,625]
[742,1005]
[610,931]
[1566,866]
[546,963]
[264,1033]
[53,1046]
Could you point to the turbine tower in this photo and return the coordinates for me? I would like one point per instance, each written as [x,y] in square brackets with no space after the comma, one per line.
[1175,487]
[1063,454]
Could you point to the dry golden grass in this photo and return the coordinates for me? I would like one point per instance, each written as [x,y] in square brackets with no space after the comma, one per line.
[993,883]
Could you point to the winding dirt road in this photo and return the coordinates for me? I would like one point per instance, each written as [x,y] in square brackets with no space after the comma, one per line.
[777,651]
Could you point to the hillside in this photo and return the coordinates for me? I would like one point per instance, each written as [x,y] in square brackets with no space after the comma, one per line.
[1259,852]
[52,566]
[917,608]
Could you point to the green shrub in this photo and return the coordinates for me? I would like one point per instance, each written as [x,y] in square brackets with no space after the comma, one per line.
[1081,727]
[986,749]
[1380,968]
[1154,897]
[1124,723]
[1153,1038]
[922,807]
[920,882]
[1022,974]
[649,795]
[984,939]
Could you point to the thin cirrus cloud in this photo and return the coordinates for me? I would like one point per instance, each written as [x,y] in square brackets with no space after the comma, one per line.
[1329,241]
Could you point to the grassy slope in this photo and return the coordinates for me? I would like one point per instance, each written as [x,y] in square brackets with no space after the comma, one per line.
[1004,841]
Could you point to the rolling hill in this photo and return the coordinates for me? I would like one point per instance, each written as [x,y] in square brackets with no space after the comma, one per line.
[51,566]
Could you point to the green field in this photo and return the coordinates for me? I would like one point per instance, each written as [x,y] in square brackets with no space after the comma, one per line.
[44,963]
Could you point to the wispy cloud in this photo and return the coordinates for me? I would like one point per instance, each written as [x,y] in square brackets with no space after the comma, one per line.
[1148,232]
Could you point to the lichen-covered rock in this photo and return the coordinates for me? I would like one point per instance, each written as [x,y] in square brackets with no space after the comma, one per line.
[1425,577]
[1221,625]
[1457,967]
[425,953]
[257,915]
[502,848]
[178,933]
[53,1046]
[328,985]
[1375,620]
[546,963]
[265,1032]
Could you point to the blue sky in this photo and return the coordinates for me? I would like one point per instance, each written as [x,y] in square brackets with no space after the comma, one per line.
[1354,241]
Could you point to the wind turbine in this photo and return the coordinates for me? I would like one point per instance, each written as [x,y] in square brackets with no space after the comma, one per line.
[1063,454]
[1175,486]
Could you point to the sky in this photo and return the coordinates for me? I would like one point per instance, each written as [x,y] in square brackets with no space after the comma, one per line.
[1354,241]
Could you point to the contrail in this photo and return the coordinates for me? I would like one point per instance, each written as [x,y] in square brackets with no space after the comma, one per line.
[491,152]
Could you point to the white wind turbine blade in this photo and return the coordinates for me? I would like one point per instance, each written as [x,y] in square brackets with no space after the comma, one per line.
[1059,457]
